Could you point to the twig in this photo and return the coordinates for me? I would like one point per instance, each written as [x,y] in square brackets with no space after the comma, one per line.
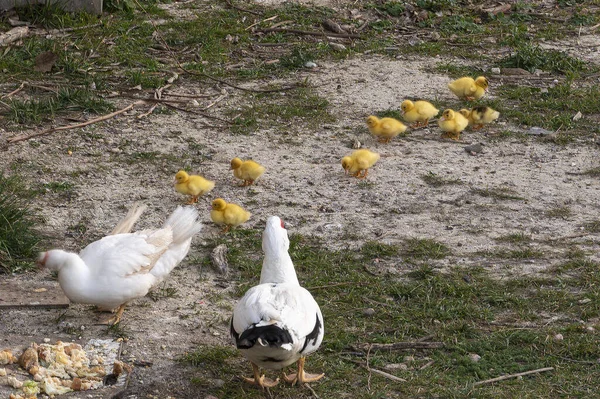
[294,86]
[241,9]
[152,108]
[260,22]
[23,137]
[312,390]
[400,346]
[318,287]
[429,363]
[199,113]
[369,368]
[425,338]
[381,373]
[310,33]
[12,93]
[220,98]
[66,30]
[506,377]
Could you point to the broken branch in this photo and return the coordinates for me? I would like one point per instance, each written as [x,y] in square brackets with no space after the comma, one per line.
[400,346]
[506,377]
[13,35]
[310,33]
[23,137]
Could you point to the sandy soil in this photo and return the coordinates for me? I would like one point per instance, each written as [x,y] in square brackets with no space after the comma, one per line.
[304,184]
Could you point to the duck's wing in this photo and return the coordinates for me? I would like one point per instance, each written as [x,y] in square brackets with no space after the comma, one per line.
[280,315]
[125,254]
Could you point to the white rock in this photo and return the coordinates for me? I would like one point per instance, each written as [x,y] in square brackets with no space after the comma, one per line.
[577,116]
[310,64]
[584,301]
[558,337]
[496,70]
[474,357]
[337,46]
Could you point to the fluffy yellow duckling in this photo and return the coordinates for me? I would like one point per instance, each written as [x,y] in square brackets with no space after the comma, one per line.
[469,89]
[452,123]
[385,128]
[193,185]
[231,215]
[419,112]
[359,161]
[482,115]
[247,170]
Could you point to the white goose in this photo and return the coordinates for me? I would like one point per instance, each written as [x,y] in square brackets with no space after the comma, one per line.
[277,322]
[118,268]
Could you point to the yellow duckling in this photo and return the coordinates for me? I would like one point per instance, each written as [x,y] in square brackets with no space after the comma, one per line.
[359,161]
[231,215]
[248,170]
[385,128]
[482,115]
[419,112]
[452,123]
[193,185]
[468,89]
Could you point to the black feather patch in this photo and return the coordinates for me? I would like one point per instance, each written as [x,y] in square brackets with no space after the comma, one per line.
[272,335]
[480,109]
[314,334]
[232,331]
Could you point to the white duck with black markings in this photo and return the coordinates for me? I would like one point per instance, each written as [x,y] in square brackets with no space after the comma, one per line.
[277,322]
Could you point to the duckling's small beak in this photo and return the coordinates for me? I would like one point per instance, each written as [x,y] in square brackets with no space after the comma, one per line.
[442,119]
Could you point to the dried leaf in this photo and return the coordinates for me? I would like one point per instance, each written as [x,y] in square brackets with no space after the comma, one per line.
[45,61]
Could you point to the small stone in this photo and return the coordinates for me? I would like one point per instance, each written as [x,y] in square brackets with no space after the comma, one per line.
[46,340]
[369,312]
[496,70]
[577,116]
[474,149]
[218,383]
[538,131]
[558,337]
[409,359]
[138,87]
[356,144]
[474,357]
[310,64]
[337,46]
[194,103]
[590,329]
[116,150]
[584,301]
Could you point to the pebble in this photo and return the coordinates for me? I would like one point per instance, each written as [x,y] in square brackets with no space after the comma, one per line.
[474,357]
[577,116]
[218,383]
[337,46]
[369,312]
[584,301]
[46,340]
[538,131]
[396,366]
[474,149]
[496,70]
[590,329]
[558,337]
[310,64]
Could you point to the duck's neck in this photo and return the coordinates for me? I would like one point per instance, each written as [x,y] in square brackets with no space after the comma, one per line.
[278,268]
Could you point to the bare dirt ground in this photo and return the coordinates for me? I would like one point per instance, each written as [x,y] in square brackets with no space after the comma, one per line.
[305,185]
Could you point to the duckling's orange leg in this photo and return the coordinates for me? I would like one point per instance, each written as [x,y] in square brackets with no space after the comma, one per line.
[260,380]
[364,174]
[477,127]
[192,200]
[227,228]
[470,98]
[302,377]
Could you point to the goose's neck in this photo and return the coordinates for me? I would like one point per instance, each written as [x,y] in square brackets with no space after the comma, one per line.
[278,268]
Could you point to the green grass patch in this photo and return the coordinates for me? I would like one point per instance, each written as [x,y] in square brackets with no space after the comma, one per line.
[531,57]
[561,212]
[424,248]
[507,322]
[19,240]
[515,238]
[511,253]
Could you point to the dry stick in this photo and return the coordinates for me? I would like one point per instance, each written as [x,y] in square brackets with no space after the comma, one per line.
[220,98]
[199,113]
[311,390]
[310,33]
[401,346]
[12,93]
[381,373]
[506,377]
[152,108]
[241,9]
[369,368]
[68,127]
[260,22]
[429,363]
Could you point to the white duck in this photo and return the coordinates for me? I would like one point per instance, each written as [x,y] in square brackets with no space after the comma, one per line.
[277,322]
[118,268]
